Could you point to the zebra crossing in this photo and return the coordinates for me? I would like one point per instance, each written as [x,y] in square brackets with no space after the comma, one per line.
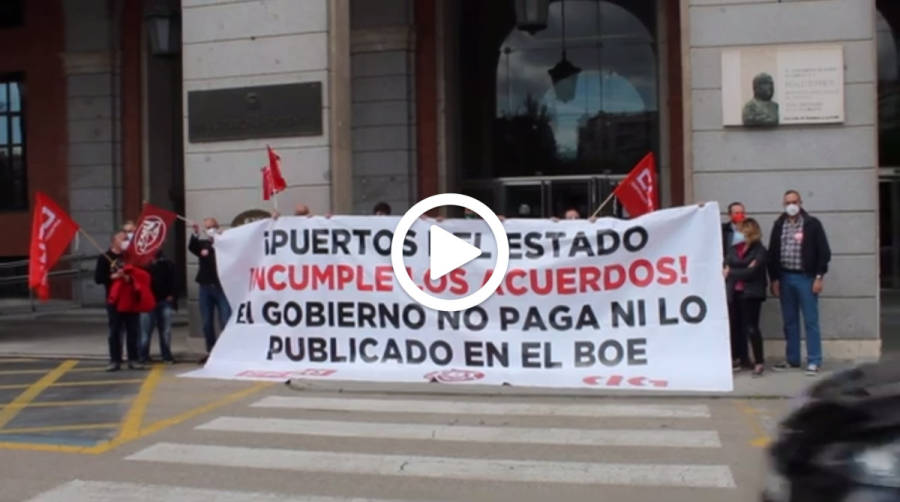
[500,442]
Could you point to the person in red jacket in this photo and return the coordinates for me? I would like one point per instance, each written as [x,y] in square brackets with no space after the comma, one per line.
[110,274]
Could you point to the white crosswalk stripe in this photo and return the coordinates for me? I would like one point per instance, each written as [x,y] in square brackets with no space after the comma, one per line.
[598,410]
[583,437]
[718,476]
[437,439]
[108,491]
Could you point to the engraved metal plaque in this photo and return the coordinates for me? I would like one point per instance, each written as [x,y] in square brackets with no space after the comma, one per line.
[255,112]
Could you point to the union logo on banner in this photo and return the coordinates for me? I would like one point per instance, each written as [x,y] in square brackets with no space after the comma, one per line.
[150,235]
[454,376]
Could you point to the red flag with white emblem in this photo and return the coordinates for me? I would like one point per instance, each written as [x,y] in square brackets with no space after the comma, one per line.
[637,192]
[51,232]
[149,235]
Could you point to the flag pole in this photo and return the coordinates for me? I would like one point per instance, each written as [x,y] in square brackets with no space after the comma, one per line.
[95,244]
[605,202]
[182,218]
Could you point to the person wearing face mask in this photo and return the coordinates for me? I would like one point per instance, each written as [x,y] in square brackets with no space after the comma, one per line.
[731,237]
[212,296]
[129,228]
[799,256]
[745,280]
[107,272]
[731,233]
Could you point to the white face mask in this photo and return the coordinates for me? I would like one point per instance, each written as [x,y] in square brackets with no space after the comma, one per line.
[125,244]
[130,235]
[211,232]
[792,209]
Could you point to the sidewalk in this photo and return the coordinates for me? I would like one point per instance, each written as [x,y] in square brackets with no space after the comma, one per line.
[81,333]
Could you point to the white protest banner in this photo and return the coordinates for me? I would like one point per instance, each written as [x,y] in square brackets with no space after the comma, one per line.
[613,304]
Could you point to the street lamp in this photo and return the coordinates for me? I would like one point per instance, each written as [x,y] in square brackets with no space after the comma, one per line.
[564,74]
[162,27]
[531,15]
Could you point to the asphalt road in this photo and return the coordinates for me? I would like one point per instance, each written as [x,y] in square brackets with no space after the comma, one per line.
[160,437]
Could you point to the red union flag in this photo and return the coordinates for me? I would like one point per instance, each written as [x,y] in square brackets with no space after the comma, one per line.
[51,232]
[273,181]
[637,192]
[149,235]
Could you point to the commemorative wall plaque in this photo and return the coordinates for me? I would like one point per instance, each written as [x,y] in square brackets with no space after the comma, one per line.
[266,111]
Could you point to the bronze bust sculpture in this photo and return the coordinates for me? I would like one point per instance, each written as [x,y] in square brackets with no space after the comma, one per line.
[761,110]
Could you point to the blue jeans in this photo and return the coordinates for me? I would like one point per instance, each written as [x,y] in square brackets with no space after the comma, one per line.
[212,298]
[161,319]
[797,296]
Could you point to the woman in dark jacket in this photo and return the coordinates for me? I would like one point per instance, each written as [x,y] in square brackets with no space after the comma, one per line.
[746,285]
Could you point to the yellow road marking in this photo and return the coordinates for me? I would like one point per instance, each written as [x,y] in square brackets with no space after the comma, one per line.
[56,428]
[762,438]
[131,425]
[153,428]
[10,412]
[56,448]
[26,372]
[86,369]
[177,419]
[98,382]
[85,383]
[88,402]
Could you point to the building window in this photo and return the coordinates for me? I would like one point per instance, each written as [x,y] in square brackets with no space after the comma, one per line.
[13,175]
[11,13]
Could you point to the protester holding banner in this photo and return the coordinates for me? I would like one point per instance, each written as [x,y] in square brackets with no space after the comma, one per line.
[625,304]
[162,274]
[745,266]
[732,236]
[109,269]
[382,209]
[212,296]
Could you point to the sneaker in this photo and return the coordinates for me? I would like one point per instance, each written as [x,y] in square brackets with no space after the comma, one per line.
[113,367]
[812,370]
[785,366]
[135,366]
[758,370]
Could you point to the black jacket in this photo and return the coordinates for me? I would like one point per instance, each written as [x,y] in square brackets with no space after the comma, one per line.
[753,277]
[814,249]
[103,269]
[727,233]
[206,272]
[162,277]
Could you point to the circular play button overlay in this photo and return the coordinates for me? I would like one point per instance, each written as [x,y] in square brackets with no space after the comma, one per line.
[449,252]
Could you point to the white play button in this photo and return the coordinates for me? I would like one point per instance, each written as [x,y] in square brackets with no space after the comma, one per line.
[448,252]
